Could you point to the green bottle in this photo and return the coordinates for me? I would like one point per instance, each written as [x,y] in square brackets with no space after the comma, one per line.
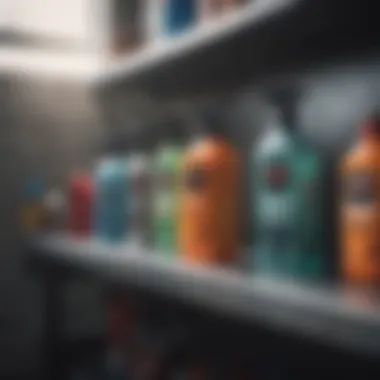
[166,169]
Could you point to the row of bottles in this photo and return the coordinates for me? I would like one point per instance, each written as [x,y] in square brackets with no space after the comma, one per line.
[189,200]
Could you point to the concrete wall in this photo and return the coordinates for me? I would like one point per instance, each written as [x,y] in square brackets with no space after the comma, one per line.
[47,128]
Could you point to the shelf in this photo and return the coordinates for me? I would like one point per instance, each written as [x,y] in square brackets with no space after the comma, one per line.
[265,37]
[346,319]
[135,64]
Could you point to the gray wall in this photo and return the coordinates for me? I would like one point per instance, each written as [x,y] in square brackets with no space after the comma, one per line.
[48,128]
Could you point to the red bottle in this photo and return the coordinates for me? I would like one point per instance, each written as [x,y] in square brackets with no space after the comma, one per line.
[80,204]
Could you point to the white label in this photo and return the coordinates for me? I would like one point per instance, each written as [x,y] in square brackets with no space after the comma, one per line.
[276,210]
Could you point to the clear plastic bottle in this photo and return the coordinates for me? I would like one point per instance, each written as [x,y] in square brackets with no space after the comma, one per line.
[141,181]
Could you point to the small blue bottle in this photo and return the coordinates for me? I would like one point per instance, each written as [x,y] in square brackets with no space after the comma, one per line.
[178,15]
[112,194]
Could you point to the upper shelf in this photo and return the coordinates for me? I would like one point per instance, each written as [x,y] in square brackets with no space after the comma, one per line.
[136,64]
[327,314]
[266,35]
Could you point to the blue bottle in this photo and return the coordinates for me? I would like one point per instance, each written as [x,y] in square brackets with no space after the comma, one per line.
[112,194]
[178,15]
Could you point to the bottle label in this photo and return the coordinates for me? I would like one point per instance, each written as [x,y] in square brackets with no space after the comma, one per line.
[164,205]
[276,210]
[277,177]
[165,195]
[360,225]
[195,179]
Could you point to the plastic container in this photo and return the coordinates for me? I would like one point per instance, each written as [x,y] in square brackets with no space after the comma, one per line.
[211,9]
[81,191]
[288,205]
[141,181]
[231,5]
[152,20]
[360,213]
[112,193]
[141,198]
[210,193]
[166,169]
[208,9]
[127,32]
[55,204]
[179,15]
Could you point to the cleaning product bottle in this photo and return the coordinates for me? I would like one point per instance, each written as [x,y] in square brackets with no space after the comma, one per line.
[207,9]
[287,203]
[55,205]
[32,210]
[112,192]
[210,194]
[178,15]
[166,169]
[231,5]
[140,167]
[360,207]
[80,204]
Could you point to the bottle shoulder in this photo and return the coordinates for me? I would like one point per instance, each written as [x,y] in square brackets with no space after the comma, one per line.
[273,141]
[211,150]
[361,155]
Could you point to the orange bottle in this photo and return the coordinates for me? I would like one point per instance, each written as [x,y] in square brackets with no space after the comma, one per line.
[360,208]
[209,211]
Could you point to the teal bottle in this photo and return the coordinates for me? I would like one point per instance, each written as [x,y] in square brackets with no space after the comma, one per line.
[112,195]
[288,206]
